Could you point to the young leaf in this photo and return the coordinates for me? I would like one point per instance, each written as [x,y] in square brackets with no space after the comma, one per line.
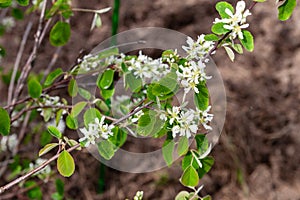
[167,151]
[106,149]
[211,37]
[222,6]
[247,41]
[23,2]
[286,9]
[149,124]
[34,191]
[207,163]
[60,186]
[96,21]
[4,122]
[17,13]
[54,132]
[183,146]
[202,143]
[52,76]
[5,3]
[230,53]
[201,99]
[71,122]
[34,88]
[219,29]
[60,34]
[47,148]
[77,108]
[238,48]
[84,93]
[90,115]
[106,94]
[106,79]
[72,88]
[119,137]
[190,177]
[65,164]
[135,84]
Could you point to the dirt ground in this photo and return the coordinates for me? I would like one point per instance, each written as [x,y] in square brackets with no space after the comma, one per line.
[257,156]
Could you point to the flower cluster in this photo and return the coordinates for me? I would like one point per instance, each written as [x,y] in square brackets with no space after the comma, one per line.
[42,173]
[185,121]
[237,21]
[8,142]
[52,102]
[95,130]
[191,75]
[199,48]
[147,68]
[8,23]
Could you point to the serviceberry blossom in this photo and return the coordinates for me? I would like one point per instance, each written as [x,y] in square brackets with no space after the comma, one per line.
[205,118]
[174,114]
[95,130]
[44,172]
[237,21]
[50,101]
[137,116]
[139,195]
[191,75]
[8,23]
[186,124]
[199,48]
[146,68]
[8,142]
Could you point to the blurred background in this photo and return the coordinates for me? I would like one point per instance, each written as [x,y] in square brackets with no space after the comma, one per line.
[258,154]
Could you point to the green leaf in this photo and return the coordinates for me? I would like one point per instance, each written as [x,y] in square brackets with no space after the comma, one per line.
[34,88]
[45,138]
[54,132]
[52,76]
[5,3]
[183,195]
[58,116]
[189,160]
[35,191]
[190,177]
[47,148]
[17,13]
[207,197]
[60,186]
[60,34]
[77,108]
[166,86]
[222,6]
[65,164]
[119,137]
[108,52]
[201,99]
[23,2]
[84,93]
[183,146]
[73,88]
[247,41]
[97,22]
[106,94]
[106,149]
[167,151]
[211,37]
[202,143]
[259,1]
[90,115]
[230,53]
[72,122]
[219,29]
[102,105]
[106,79]
[285,10]
[207,164]
[149,124]
[134,84]
[238,48]
[4,122]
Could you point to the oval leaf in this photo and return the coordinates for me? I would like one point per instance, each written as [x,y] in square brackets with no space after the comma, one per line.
[285,11]
[60,34]
[72,122]
[201,99]
[34,88]
[222,6]
[90,115]
[54,132]
[106,79]
[72,88]
[65,164]
[190,177]
[247,41]
[167,151]
[77,108]
[183,146]
[47,148]
[4,122]
[52,76]
[106,149]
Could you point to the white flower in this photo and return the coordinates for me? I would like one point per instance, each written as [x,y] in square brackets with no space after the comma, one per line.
[205,117]
[45,171]
[61,124]
[95,130]
[139,195]
[173,114]
[197,49]
[8,23]
[237,21]
[50,101]
[10,142]
[137,116]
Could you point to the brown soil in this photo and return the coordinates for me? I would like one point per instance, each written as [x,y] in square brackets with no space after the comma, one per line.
[258,153]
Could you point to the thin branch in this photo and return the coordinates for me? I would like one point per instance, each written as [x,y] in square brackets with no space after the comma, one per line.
[52,62]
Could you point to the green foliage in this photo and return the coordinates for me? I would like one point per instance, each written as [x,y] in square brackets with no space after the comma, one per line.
[107,93]
[77,108]
[34,193]
[73,88]
[47,148]
[54,132]
[65,164]
[167,151]
[219,29]
[23,2]
[201,99]
[134,84]
[207,164]
[183,146]
[60,188]
[53,76]
[72,122]
[90,115]
[60,6]
[5,3]
[247,41]
[17,13]
[149,124]
[202,143]
[190,177]
[84,93]
[119,137]
[183,195]
[285,10]
[4,122]
[106,149]
[189,160]
[60,34]
[106,79]
[7,77]
[221,6]
[34,88]
[211,37]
